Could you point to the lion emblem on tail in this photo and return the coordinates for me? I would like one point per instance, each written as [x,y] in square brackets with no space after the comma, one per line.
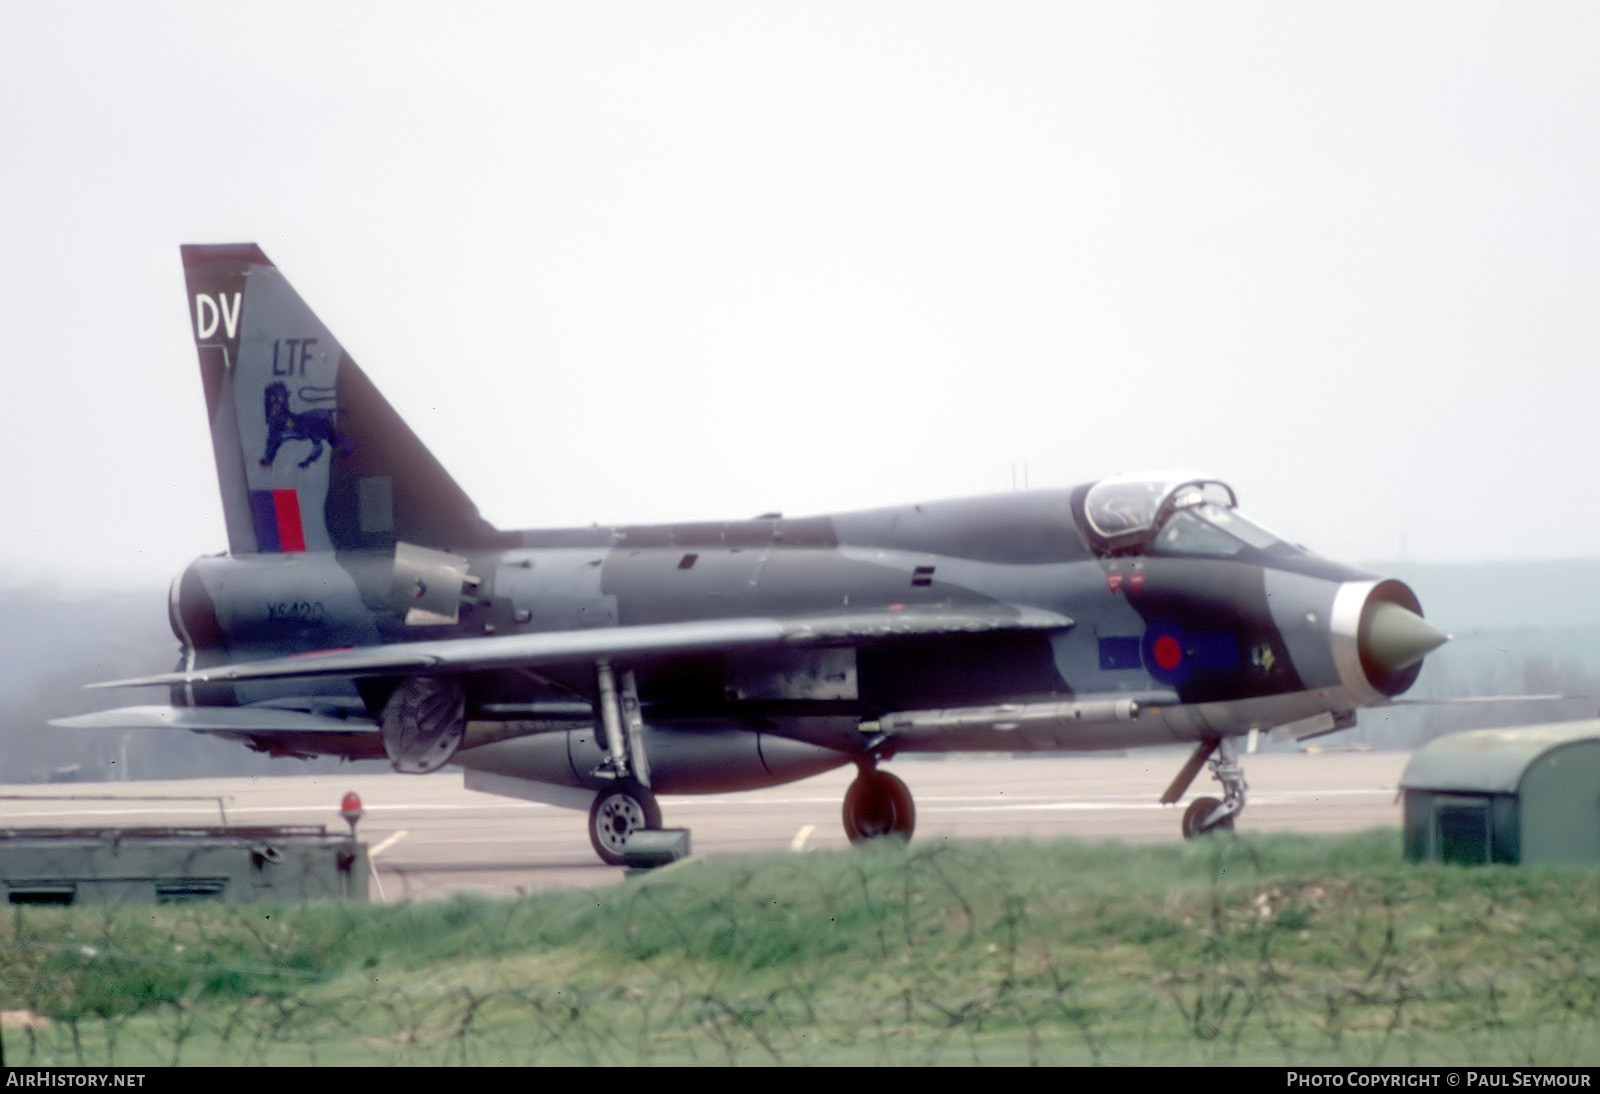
[317,425]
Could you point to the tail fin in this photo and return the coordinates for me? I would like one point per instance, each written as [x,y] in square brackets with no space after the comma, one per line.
[310,456]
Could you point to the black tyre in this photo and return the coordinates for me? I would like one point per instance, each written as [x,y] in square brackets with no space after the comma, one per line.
[617,813]
[877,805]
[1194,817]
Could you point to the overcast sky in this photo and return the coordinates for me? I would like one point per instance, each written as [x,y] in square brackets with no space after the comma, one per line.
[636,262]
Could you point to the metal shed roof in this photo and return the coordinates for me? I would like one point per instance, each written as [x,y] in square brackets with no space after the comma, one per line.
[1490,761]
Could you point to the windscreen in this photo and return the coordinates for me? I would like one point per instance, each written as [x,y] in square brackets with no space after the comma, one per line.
[1212,531]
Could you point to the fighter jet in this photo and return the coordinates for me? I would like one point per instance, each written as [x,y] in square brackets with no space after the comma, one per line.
[364,609]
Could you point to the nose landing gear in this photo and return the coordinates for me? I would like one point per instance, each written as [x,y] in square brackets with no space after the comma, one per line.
[1208,814]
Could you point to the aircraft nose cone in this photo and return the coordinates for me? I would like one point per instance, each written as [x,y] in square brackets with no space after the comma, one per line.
[1396,638]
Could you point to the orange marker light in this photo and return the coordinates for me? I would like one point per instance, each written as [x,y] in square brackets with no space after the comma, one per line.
[350,809]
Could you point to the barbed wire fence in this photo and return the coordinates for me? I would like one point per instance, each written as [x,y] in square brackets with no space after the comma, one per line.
[928,955]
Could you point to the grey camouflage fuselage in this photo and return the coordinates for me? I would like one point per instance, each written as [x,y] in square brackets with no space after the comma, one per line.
[1272,621]
[744,653]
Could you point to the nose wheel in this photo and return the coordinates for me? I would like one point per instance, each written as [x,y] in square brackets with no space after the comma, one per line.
[877,805]
[617,813]
[1197,818]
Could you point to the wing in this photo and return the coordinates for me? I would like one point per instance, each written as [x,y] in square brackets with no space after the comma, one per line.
[216,720]
[645,640]
[265,728]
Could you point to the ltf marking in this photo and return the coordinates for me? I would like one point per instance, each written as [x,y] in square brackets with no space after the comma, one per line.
[210,311]
[295,353]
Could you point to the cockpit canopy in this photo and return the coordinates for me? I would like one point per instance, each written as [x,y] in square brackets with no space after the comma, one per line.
[1171,513]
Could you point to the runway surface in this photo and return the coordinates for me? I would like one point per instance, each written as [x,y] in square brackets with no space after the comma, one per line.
[432,837]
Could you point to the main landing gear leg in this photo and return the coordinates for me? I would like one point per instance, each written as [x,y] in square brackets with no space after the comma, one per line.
[627,805]
[1208,814]
[877,805]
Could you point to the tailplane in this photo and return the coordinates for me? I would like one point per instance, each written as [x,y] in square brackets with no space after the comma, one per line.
[310,457]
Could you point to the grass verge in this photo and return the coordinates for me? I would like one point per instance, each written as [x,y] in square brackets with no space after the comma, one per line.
[1270,950]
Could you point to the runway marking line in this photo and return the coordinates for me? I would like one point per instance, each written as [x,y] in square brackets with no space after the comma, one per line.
[799,842]
[388,843]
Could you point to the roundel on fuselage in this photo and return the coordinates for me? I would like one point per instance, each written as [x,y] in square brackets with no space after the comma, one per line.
[1172,653]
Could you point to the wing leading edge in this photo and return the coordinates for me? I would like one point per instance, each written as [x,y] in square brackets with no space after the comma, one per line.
[643,640]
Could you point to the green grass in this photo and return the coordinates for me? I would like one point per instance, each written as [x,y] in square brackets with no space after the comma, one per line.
[1254,950]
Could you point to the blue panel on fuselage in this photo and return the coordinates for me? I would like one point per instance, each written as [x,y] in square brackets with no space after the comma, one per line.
[1120,653]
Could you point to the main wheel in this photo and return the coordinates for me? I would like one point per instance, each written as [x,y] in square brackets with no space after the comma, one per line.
[878,804]
[1194,818]
[617,813]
